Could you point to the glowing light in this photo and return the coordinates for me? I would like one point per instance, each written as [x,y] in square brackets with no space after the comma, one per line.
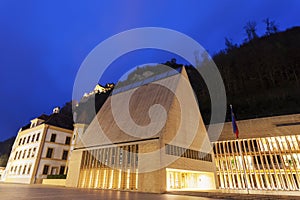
[136,179]
[128,178]
[104,179]
[189,180]
[111,179]
[119,181]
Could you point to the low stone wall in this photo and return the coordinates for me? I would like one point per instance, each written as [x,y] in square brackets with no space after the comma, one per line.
[60,182]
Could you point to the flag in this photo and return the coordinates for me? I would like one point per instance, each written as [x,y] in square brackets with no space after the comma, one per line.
[234,125]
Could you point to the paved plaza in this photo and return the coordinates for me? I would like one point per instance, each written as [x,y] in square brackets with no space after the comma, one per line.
[24,192]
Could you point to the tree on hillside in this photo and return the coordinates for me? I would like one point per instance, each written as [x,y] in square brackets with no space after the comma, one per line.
[250,29]
[229,44]
[3,160]
[271,26]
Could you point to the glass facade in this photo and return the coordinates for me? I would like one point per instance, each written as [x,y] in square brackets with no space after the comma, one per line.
[187,153]
[270,163]
[189,180]
[110,168]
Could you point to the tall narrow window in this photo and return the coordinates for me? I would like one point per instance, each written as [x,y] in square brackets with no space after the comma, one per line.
[24,169]
[19,156]
[29,153]
[62,170]
[33,152]
[29,168]
[46,169]
[28,139]
[24,139]
[49,153]
[37,137]
[121,156]
[53,137]
[20,168]
[16,156]
[32,138]
[68,140]
[65,155]
[20,141]
[24,153]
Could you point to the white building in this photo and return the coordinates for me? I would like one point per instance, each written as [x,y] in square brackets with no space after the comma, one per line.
[41,148]
[2,170]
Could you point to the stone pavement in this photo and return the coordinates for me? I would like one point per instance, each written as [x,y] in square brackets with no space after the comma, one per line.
[241,194]
[24,192]
[35,192]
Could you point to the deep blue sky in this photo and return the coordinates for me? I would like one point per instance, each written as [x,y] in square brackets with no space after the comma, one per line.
[42,43]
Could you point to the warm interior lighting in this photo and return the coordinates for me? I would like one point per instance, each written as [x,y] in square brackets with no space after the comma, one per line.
[189,180]
[128,179]
[136,179]
[111,179]
[119,180]
[97,179]
[104,179]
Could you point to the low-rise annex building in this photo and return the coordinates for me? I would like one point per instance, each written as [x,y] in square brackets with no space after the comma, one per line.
[164,151]
[41,148]
[265,157]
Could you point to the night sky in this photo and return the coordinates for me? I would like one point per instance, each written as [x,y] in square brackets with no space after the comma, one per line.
[43,43]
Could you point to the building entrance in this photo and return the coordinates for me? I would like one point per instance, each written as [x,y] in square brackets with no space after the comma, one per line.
[189,180]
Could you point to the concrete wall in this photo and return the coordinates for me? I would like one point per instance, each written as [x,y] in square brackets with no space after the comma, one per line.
[58,182]
[74,169]
[262,127]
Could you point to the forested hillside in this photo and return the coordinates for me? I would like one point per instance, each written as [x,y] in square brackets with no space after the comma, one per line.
[261,76]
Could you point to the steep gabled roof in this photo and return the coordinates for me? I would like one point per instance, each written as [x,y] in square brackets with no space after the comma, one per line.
[56,119]
[60,120]
[141,99]
[133,114]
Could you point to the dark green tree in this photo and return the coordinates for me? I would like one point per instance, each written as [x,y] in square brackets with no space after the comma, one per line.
[271,26]
[250,29]
[229,44]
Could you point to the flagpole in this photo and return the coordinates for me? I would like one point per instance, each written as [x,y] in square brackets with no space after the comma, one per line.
[241,154]
[244,167]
